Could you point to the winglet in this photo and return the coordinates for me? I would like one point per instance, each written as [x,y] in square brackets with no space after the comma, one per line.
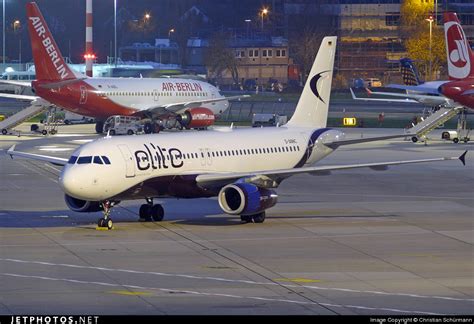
[10,150]
[463,158]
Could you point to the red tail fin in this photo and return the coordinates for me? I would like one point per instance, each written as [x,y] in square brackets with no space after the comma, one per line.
[459,52]
[49,62]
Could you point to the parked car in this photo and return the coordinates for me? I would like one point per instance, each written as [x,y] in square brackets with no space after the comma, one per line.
[259,120]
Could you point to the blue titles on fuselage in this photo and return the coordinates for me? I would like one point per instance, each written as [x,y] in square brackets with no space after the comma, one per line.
[156,157]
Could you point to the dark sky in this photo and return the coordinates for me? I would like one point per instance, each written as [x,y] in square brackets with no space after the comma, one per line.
[66,19]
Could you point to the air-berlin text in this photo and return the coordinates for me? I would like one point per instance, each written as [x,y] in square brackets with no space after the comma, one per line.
[181,86]
[49,47]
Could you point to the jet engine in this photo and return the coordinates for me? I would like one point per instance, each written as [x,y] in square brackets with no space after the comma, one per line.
[196,118]
[82,206]
[245,199]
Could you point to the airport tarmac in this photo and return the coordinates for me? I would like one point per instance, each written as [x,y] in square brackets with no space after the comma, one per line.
[355,242]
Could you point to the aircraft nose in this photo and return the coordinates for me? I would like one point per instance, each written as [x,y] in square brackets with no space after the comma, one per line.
[71,183]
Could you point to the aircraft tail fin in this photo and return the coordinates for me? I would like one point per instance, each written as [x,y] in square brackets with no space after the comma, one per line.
[313,105]
[409,72]
[49,62]
[459,53]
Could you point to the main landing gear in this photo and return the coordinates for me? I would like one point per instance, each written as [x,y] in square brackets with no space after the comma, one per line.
[256,218]
[151,212]
[106,221]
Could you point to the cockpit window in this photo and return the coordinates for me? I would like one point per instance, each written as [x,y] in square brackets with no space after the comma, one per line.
[72,159]
[84,160]
[97,160]
[106,159]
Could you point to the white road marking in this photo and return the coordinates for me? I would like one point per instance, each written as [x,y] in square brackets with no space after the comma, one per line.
[397,196]
[238,281]
[289,301]
[54,216]
[83,140]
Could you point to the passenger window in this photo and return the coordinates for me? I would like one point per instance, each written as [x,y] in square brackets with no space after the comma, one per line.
[97,160]
[105,159]
[84,160]
[72,159]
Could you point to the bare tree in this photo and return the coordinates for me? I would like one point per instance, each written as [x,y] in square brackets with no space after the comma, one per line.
[220,58]
[304,48]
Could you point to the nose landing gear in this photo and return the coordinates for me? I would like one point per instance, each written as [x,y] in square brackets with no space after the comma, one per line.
[151,212]
[106,221]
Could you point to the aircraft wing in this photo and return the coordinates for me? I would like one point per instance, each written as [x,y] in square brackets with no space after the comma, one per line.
[406,100]
[419,88]
[271,179]
[26,84]
[179,106]
[18,97]
[431,100]
[45,158]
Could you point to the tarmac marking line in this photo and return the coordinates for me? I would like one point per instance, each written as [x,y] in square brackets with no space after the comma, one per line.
[381,293]
[191,292]
[297,280]
[130,293]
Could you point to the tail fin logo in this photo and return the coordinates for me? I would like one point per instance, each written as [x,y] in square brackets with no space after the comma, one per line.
[313,84]
[459,63]
[49,47]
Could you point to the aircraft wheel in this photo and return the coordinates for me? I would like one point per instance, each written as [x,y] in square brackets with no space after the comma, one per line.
[456,140]
[148,128]
[259,218]
[414,139]
[246,218]
[101,222]
[144,213]
[4,131]
[109,223]
[99,127]
[157,213]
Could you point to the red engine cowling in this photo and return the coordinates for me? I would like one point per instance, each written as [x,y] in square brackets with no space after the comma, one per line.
[197,118]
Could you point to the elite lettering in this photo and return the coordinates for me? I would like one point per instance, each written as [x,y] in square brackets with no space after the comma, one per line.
[156,157]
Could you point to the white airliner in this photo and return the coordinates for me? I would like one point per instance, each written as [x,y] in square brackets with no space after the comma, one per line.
[192,103]
[242,167]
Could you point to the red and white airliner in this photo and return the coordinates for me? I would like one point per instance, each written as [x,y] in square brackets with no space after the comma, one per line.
[460,56]
[193,103]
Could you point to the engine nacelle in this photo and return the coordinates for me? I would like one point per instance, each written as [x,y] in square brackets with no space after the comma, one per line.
[245,199]
[82,206]
[197,118]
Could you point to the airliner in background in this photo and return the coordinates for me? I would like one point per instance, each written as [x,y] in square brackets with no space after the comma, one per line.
[193,103]
[460,57]
[457,91]
[242,167]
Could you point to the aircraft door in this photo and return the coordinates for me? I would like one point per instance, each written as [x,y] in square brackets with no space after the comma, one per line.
[156,97]
[206,158]
[83,97]
[128,158]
